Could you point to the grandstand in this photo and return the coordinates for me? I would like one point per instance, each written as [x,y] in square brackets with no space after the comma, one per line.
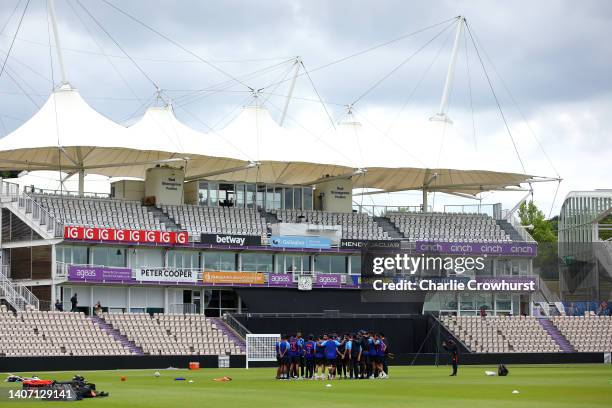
[170,334]
[354,226]
[448,227]
[501,334]
[586,333]
[35,333]
[198,220]
[264,230]
[99,212]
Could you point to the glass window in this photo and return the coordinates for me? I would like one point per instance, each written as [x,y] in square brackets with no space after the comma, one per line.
[213,194]
[355,265]
[250,195]
[278,198]
[203,193]
[288,198]
[76,255]
[330,264]
[466,301]
[183,259]
[297,198]
[307,198]
[240,195]
[219,261]
[503,302]
[256,262]
[292,263]
[146,257]
[484,300]
[261,196]
[79,255]
[108,256]
[269,197]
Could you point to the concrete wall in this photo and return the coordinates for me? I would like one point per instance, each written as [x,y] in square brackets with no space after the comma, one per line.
[128,189]
[191,192]
[165,184]
[335,195]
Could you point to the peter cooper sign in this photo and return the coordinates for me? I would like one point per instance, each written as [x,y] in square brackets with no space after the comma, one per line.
[167,275]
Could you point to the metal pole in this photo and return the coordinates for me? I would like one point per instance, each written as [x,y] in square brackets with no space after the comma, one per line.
[58,46]
[424,200]
[297,63]
[441,115]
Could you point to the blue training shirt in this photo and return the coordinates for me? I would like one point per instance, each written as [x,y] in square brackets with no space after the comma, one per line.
[330,348]
[310,348]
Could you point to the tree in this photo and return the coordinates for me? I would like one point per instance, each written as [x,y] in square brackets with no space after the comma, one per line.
[541,229]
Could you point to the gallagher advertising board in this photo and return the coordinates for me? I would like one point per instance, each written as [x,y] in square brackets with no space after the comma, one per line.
[126,235]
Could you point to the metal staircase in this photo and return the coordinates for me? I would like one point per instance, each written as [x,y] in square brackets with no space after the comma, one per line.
[388,227]
[30,212]
[15,294]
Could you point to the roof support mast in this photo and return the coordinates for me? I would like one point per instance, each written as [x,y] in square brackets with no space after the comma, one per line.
[296,64]
[58,45]
[64,83]
[442,116]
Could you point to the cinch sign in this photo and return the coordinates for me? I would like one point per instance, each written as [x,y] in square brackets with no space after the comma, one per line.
[125,235]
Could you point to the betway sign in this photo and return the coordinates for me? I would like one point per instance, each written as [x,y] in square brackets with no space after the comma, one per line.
[125,235]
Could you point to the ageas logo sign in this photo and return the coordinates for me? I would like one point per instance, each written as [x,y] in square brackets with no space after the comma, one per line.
[125,235]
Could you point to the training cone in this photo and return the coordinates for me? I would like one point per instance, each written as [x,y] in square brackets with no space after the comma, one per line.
[515,392]
[123,378]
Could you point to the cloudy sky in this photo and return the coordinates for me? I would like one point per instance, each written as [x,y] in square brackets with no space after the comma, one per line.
[549,63]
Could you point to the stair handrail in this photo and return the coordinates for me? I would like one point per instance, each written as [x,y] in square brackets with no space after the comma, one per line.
[26,202]
[44,217]
[516,224]
[235,325]
[15,293]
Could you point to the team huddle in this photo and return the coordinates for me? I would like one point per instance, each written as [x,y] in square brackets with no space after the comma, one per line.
[351,356]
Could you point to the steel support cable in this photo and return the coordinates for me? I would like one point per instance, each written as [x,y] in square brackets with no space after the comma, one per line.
[518,108]
[318,95]
[8,53]
[501,112]
[102,52]
[197,95]
[118,45]
[401,64]
[402,37]
[417,85]
[175,43]
[469,78]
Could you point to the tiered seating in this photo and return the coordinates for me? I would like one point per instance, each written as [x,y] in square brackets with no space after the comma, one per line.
[354,225]
[170,334]
[35,333]
[217,220]
[501,334]
[98,212]
[586,333]
[448,227]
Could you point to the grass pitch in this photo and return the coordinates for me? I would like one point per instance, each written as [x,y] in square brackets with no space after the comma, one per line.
[538,386]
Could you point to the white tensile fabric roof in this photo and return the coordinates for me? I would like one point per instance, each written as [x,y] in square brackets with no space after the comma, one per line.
[67,134]
[252,148]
